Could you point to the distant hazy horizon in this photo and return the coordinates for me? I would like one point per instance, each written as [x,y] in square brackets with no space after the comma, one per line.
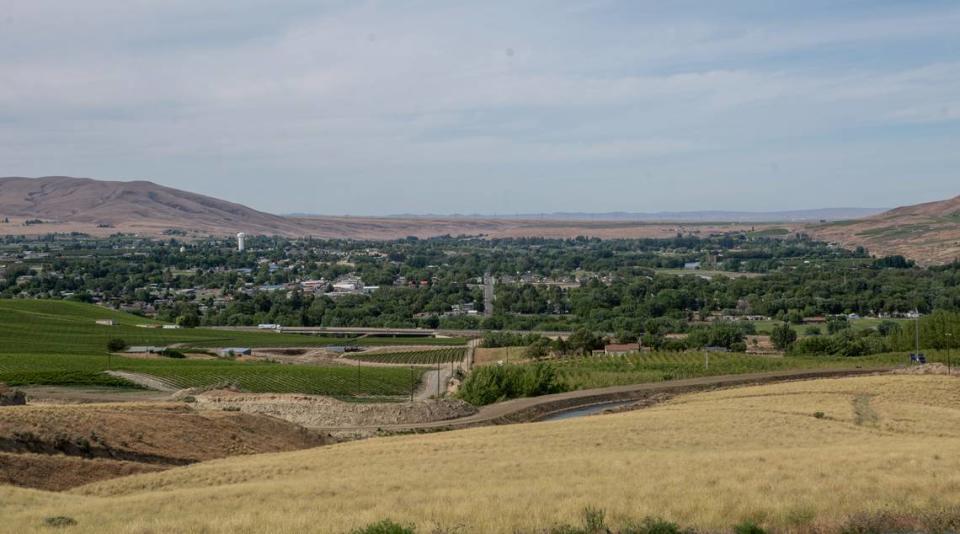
[369,108]
[660,216]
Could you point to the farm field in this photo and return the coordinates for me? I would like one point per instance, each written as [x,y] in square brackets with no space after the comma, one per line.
[413,357]
[601,371]
[864,323]
[880,450]
[40,325]
[486,356]
[58,343]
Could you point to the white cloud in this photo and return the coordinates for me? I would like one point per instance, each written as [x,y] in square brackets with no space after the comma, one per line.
[364,95]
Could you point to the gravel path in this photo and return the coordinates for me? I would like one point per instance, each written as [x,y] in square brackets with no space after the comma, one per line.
[147,381]
[428,388]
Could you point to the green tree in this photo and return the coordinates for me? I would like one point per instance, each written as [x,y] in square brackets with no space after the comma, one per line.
[116,345]
[585,341]
[783,336]
[188,320]
[837,324]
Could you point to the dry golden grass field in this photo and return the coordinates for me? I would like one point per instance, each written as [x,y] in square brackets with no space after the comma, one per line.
[708,461]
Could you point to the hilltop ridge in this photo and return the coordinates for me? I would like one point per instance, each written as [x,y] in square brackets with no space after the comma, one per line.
[928,233]
[130,206]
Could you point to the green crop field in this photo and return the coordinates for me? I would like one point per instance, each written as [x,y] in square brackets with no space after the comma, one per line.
[59,343]
[602,371]
[414,357]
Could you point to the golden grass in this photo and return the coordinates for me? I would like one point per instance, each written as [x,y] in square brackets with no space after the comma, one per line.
[484,356]
[707,460]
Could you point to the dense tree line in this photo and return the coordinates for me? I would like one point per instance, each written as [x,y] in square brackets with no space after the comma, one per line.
[621,290]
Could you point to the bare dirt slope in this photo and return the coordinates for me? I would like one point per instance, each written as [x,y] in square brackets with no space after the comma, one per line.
[57,447]
[395,228]
[318,411]
[928,233]
[138,206]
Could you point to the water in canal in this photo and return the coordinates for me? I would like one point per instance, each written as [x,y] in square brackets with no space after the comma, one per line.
[586,410]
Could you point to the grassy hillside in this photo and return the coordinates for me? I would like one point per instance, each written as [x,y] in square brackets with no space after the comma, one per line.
[825,455]
[59,343]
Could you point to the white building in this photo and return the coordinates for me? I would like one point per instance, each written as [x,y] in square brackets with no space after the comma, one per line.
[241,238]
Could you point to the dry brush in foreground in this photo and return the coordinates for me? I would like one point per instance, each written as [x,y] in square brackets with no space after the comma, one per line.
[804,457]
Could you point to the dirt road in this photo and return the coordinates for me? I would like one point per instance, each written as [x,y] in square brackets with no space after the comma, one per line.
[535,408]
[147,381]
[428,388]
[90,394]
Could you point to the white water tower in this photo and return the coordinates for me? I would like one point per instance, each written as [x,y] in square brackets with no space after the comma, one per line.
[241,237]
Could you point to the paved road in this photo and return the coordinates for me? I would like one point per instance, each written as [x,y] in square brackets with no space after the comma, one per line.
[530,409]
[412,333]
[488,295]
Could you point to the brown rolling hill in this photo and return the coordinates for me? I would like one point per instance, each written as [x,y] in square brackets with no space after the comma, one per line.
[928,233]
[138,206]
[97,207]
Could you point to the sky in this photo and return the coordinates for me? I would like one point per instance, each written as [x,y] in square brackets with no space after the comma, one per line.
[375,108]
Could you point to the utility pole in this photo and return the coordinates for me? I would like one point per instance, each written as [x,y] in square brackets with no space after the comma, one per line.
[949,352]
[706,360]
[411,383]
[917,331]
[358,377]
[438,377]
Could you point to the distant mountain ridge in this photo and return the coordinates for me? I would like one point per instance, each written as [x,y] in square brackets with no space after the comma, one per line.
[130,205]
[811,215]
[928,233]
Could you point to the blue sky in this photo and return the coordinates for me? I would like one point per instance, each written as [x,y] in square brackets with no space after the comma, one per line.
[490,107]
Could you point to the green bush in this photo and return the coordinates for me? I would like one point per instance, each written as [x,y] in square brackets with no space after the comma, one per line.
[59,521]
[783,336]
[385,527]
[486,385]
[170,353]
[748,527]
[116,345]
[652,525]
[594,520]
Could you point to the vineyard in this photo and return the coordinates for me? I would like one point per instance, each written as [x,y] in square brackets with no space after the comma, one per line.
[32,326]
[58,343]
[340,381]
[414,357]
[602,371]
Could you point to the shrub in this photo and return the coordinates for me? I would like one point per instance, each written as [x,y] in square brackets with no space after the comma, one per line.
[653,525]
[783,336]
[59,521]
[837,324]
[819,415]
[116,345]
[170,353]
[489,384]
[748,527]
[188,320]
[385,527]
[594,520]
